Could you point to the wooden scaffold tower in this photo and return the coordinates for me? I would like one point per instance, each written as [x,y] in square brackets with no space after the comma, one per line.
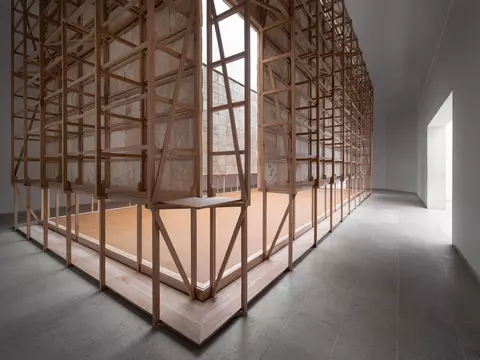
[107,104]
[315,110]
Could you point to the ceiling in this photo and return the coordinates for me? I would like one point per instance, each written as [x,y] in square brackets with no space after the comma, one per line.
[398,39]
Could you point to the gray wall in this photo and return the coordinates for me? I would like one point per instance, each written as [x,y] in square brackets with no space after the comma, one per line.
[456,68]
[402,152]
[394,149]
[398,39]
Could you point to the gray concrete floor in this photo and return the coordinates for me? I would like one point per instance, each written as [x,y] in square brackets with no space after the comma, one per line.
[386,285]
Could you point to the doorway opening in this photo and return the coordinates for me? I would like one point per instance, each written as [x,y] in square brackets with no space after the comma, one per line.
[440,162]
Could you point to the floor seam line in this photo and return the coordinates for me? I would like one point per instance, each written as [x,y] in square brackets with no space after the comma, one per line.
[351,306]
[283,327]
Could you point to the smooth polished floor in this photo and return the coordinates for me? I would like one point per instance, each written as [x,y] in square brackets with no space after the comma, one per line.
[385,285]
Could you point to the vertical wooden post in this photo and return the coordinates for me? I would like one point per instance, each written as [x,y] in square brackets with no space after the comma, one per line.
[29,209]
[57,209]
[12,113]
[155,270]
[213,248]
[198,98]
[343,50]
[193,254]
[247,108]
[68,230]
[98,97]
[291,229]
[64,107]
[332,180]
[80,135]
[139,237]
[315,215]
[261,163]
[42,207]
[370,134]
[142,75]
[349,186]
[324,118]
[151,99]
[325,201]
[244,262]
[350,131]
[49,204]
[102,243]
[355,179]
[26,135]
[106,96]
[15,206]
[317,123]
[264,221]
[58,86]
[292,129]
[331,207]
[210,192]
[77,216]
[46,211]
[335,197]
[247,158]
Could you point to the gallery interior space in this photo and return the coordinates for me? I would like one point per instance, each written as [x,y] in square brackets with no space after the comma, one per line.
[239,179]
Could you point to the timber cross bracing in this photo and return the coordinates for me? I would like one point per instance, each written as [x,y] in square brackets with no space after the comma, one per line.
[107,102]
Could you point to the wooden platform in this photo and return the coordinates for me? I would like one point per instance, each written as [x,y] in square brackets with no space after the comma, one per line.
[121,228]
[194,319]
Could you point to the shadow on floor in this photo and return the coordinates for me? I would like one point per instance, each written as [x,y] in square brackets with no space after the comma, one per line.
[385,285]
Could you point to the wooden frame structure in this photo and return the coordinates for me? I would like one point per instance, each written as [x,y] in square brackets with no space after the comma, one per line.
[107,103]
[316,102]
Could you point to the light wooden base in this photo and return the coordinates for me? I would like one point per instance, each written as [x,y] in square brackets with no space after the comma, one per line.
[194,319]
[121,230]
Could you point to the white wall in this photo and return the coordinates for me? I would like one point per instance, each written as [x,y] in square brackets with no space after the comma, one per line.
[437,169]
[439,156]
[456,68]
[449,161]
